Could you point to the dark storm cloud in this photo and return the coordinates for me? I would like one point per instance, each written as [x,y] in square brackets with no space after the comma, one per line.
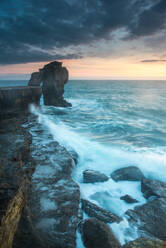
[150,20]
[153,60]
[62,23]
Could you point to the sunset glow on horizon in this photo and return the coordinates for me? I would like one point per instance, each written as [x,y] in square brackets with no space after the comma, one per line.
[95,68]
[95,39]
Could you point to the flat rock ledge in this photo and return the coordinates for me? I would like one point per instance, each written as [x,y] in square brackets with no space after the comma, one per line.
[16,100]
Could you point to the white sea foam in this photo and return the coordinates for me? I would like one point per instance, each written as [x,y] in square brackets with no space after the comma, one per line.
[106,159]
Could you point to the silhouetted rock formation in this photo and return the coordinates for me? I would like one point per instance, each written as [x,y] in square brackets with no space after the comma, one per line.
[16,100]
[54,77]
[35,79]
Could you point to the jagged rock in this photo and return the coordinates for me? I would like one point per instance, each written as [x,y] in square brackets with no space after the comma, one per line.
[130,173]
[16,100]
[151,187]
[54,77]
[15,161]
[150,218]
[145,243]
[92,176]
[128,199]
[99,213]
[35,79]
[54,198]
[12,216]
[97,234]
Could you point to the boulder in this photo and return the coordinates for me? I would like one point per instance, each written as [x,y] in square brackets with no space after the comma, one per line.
[97,234]
[130,173]
[128,199]
[151,187]
[92,176]
[99,213]
[150,218]
[145,243]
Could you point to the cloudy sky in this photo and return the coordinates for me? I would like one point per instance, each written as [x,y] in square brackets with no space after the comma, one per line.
[96,39]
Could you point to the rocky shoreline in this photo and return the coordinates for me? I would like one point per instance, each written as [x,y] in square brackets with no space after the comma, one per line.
[24,189]
[40,204]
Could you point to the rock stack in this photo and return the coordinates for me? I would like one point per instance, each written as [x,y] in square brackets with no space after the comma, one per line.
[53,77]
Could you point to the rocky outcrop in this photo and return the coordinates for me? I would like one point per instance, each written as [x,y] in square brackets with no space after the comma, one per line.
[151,187]
[16,100]
[54,198]
[128,199]
[97,234]
[130,173]
[92,176]
[16,168]
[53,78]
[50,215]
[12,216]
[35,79]
[145,243]
[150,218]
[99,213]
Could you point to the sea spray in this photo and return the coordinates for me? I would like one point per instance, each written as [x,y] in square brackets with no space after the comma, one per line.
[108,135]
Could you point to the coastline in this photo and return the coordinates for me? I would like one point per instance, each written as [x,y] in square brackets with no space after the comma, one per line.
[20,164]
[41,204]
[24,164]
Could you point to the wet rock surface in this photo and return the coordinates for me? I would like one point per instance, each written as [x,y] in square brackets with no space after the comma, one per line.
[151,187]
[55,197]
[145,243]
[97,234]
[130,173]
[50,214]
[128,199]
[92,176]
[92,210]
[150,218]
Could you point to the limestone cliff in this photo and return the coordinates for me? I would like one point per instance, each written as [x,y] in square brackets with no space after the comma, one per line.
[16,100]
[53,78]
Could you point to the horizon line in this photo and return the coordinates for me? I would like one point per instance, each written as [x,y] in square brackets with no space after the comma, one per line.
[93,79]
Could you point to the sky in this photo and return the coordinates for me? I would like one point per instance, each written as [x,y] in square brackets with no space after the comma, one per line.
[95,39]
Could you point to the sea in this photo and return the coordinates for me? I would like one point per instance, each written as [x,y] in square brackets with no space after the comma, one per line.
[111,124]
